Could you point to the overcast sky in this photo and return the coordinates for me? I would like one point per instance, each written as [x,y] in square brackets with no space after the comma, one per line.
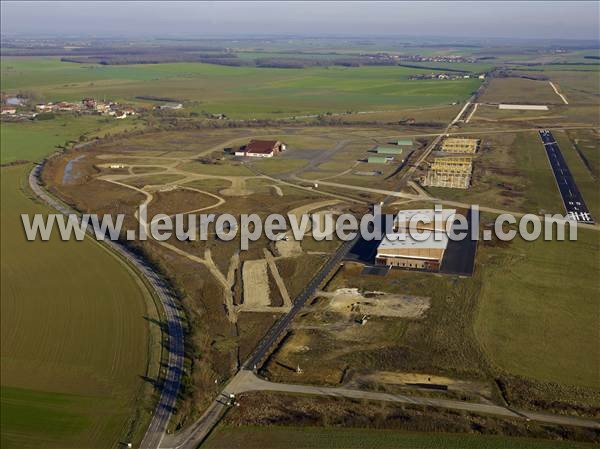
[537,19]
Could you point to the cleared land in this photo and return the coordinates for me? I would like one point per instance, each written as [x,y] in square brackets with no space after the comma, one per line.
[256,284]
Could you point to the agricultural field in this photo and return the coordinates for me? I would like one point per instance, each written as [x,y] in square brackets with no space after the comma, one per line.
[76,340]
[33,140]
[239,92]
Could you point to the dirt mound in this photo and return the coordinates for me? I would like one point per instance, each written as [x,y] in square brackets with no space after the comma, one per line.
[351,300]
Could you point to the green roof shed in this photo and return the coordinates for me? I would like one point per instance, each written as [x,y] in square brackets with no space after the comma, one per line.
[376,160]
[389,150]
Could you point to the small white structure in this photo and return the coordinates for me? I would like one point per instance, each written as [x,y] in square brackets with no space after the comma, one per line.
[171,106]
[524,107]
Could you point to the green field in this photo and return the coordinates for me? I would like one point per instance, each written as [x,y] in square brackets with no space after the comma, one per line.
[236,91]
[32,140]
[74,339]
[316,438]
[538,314]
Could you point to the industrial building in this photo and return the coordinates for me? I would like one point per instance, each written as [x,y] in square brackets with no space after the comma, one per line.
[460,145]
[423,219]
[401,250]
[388,150]
[404,142]
[453,172]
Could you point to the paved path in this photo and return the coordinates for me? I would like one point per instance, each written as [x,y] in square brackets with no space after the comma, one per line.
[171,380]
[562,97]
[246,381]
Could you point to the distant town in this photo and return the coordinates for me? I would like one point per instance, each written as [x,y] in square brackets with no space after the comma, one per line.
[21,108]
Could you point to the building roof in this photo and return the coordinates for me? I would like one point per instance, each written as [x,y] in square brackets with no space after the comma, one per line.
[424,214]
[404,142]
[389,150]
[261,146]
[404,240]
[377,159]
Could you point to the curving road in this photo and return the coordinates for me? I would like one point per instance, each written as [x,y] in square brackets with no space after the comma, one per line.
[172,377]
[247,381]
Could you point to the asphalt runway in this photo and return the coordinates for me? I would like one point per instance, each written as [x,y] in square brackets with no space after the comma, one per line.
[572,199]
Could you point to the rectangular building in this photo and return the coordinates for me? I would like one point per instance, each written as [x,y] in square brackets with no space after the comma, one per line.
[262,148]
[388,150]
[377,160]
[404,142]
[401,250]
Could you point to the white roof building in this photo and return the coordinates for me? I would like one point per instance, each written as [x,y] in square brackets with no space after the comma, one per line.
[424,219]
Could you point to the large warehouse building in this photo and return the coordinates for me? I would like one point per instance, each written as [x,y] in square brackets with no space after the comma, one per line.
[400,249]
[410,253]
[423,219]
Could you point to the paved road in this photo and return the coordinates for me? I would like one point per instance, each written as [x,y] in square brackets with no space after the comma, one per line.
[571,196]
[170,385]
[247,381]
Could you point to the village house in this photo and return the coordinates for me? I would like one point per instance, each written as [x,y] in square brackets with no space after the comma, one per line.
[8,110]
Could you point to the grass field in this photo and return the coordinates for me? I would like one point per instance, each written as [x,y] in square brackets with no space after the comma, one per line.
[236,91]
[274,437]
[32,140]
[74,337]
[538,314]
[520,91]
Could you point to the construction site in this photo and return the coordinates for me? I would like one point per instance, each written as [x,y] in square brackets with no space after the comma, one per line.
[452,166]
[457,145]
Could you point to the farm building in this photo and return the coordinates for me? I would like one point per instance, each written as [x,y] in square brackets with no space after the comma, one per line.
[378,160]
[451,172]
[460,145]
[401,250]
[261,148]
[404,142]
[388,150]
